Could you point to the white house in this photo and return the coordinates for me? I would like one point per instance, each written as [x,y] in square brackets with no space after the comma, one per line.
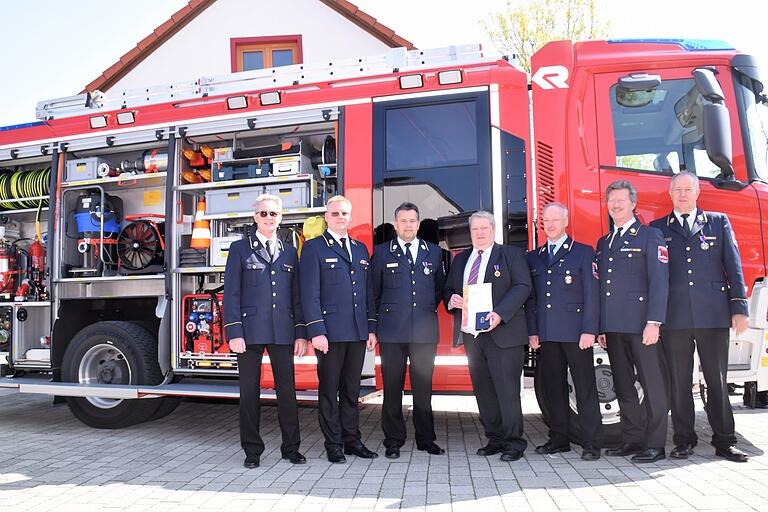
[209,37]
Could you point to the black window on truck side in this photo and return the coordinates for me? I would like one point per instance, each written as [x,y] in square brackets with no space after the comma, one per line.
[434,152]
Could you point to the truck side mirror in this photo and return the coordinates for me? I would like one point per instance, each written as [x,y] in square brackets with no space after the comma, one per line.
[717,125]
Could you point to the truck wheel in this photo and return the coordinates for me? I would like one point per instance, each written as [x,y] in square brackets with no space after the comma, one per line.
[606,396]
[112,352]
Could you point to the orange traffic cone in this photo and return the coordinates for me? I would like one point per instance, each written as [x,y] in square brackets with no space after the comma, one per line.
[201,229]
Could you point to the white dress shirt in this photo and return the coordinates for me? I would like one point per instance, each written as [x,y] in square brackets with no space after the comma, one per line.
[414,248]
[691,218]
[483,264]
[273,245]
[338,238]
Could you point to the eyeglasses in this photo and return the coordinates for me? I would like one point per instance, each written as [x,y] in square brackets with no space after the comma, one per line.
[340,213]
[270,214]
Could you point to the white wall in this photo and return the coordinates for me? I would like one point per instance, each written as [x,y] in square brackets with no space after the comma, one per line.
[202,47]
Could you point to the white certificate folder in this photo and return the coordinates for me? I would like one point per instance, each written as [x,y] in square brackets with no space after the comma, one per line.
[478,302]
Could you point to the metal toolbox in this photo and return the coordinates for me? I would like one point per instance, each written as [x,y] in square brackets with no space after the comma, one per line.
[293,195]
[232,200]
[82,169]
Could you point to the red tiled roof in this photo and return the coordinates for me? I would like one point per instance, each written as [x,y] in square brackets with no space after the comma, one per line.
[183,16]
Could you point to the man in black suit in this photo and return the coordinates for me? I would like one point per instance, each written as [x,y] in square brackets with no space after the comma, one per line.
[262,311]
[707,296]
[337,299]
[634,283]
[563,315]
[408,280]
[495,356]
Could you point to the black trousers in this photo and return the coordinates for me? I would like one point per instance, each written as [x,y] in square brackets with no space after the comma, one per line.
[712,345]
[339,374]
[555,359]
[393,364]
[627,354]
[249,365]
[495,374]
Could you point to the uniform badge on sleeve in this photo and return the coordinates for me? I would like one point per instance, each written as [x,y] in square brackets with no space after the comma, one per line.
[595,273]
[663,254]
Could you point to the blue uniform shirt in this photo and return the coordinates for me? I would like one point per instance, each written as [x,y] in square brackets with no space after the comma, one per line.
[564,302]
[407,296]
[336,292]
[262,300]
[634,279]
[706,282]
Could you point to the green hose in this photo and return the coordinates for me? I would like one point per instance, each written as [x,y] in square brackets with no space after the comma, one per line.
[21,185]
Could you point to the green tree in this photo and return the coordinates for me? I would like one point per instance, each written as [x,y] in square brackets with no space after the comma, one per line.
[525,26]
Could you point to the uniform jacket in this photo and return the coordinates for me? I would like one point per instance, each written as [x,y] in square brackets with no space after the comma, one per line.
[706,283]
[262,301]
[634,280]
[406,298]
[336,293]
[510,289]
[565,301]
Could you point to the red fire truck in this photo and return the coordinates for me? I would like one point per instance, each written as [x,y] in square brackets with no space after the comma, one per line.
[120,314]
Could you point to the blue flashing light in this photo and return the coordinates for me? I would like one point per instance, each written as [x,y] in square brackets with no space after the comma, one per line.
[23,125]
[691,45]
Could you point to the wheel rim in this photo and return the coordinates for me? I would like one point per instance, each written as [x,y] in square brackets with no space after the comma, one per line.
[606,395]
[104,364]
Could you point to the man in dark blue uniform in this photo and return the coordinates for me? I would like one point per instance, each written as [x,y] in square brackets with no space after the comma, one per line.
[337,297]
[495,355]
[634,281]
[707,296]
[262,311]
[408,279]
[563,314]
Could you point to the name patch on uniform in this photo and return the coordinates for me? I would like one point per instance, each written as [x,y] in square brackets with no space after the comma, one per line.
[631,249]
[710,238]
[364,263]
[668,239]
[287,267]
[392,265]
[331,260]
[663,254]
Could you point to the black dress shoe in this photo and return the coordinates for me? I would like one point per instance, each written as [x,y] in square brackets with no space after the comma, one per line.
[624,450]
[490,449]
[251,462]
[732,454]
[361,451]
[295,458]
[549,447]
[681,451]
[590,453]
[431,449]
[335,456]
[649,455]
[511,455]
[393,452]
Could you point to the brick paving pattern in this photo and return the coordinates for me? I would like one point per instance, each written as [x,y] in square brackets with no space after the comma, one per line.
[191,461]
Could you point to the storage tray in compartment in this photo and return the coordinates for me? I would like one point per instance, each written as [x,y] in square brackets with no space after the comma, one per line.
[293,195]
[231,201]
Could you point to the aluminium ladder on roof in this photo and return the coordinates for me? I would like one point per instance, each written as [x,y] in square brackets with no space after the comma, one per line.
[397,59]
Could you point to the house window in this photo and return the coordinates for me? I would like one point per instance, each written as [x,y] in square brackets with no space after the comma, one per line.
[249,53]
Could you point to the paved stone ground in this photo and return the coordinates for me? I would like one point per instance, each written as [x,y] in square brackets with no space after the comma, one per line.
[191,460]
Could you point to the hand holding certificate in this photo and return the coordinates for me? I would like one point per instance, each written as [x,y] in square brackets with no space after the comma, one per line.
[476,312]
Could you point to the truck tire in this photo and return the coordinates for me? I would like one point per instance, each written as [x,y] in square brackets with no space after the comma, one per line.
[606,396]
[113,352]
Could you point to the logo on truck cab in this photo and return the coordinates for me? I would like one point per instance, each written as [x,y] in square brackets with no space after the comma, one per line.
[551,77]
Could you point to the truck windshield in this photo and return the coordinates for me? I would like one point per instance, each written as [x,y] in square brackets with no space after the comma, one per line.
[661,130]
[754,116]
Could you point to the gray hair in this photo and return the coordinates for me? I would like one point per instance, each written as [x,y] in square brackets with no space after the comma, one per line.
[622,185]
[269,197]
[556,205]
[482,214]
[684,173]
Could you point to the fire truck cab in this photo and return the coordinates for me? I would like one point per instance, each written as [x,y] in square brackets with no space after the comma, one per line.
[123,316]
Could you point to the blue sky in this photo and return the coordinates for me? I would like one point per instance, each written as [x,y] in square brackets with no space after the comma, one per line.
[51,49]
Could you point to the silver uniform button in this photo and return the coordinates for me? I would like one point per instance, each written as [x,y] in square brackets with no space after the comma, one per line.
[629,255]
[610,259]
[610,270]
[548,294]
[607,281]
[690,283]
[414,304]
[607,294]
[687,248]
[640,299]
[274,294]
[549,271]
[690,271]
[549,306]
[273,272]
[549,283]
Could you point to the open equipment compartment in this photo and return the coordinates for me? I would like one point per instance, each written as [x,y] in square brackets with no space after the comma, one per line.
[220,176]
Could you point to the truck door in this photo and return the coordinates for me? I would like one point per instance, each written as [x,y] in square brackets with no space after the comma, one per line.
[648,136]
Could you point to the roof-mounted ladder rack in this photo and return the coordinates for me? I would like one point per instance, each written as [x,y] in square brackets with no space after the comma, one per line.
[396,60]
